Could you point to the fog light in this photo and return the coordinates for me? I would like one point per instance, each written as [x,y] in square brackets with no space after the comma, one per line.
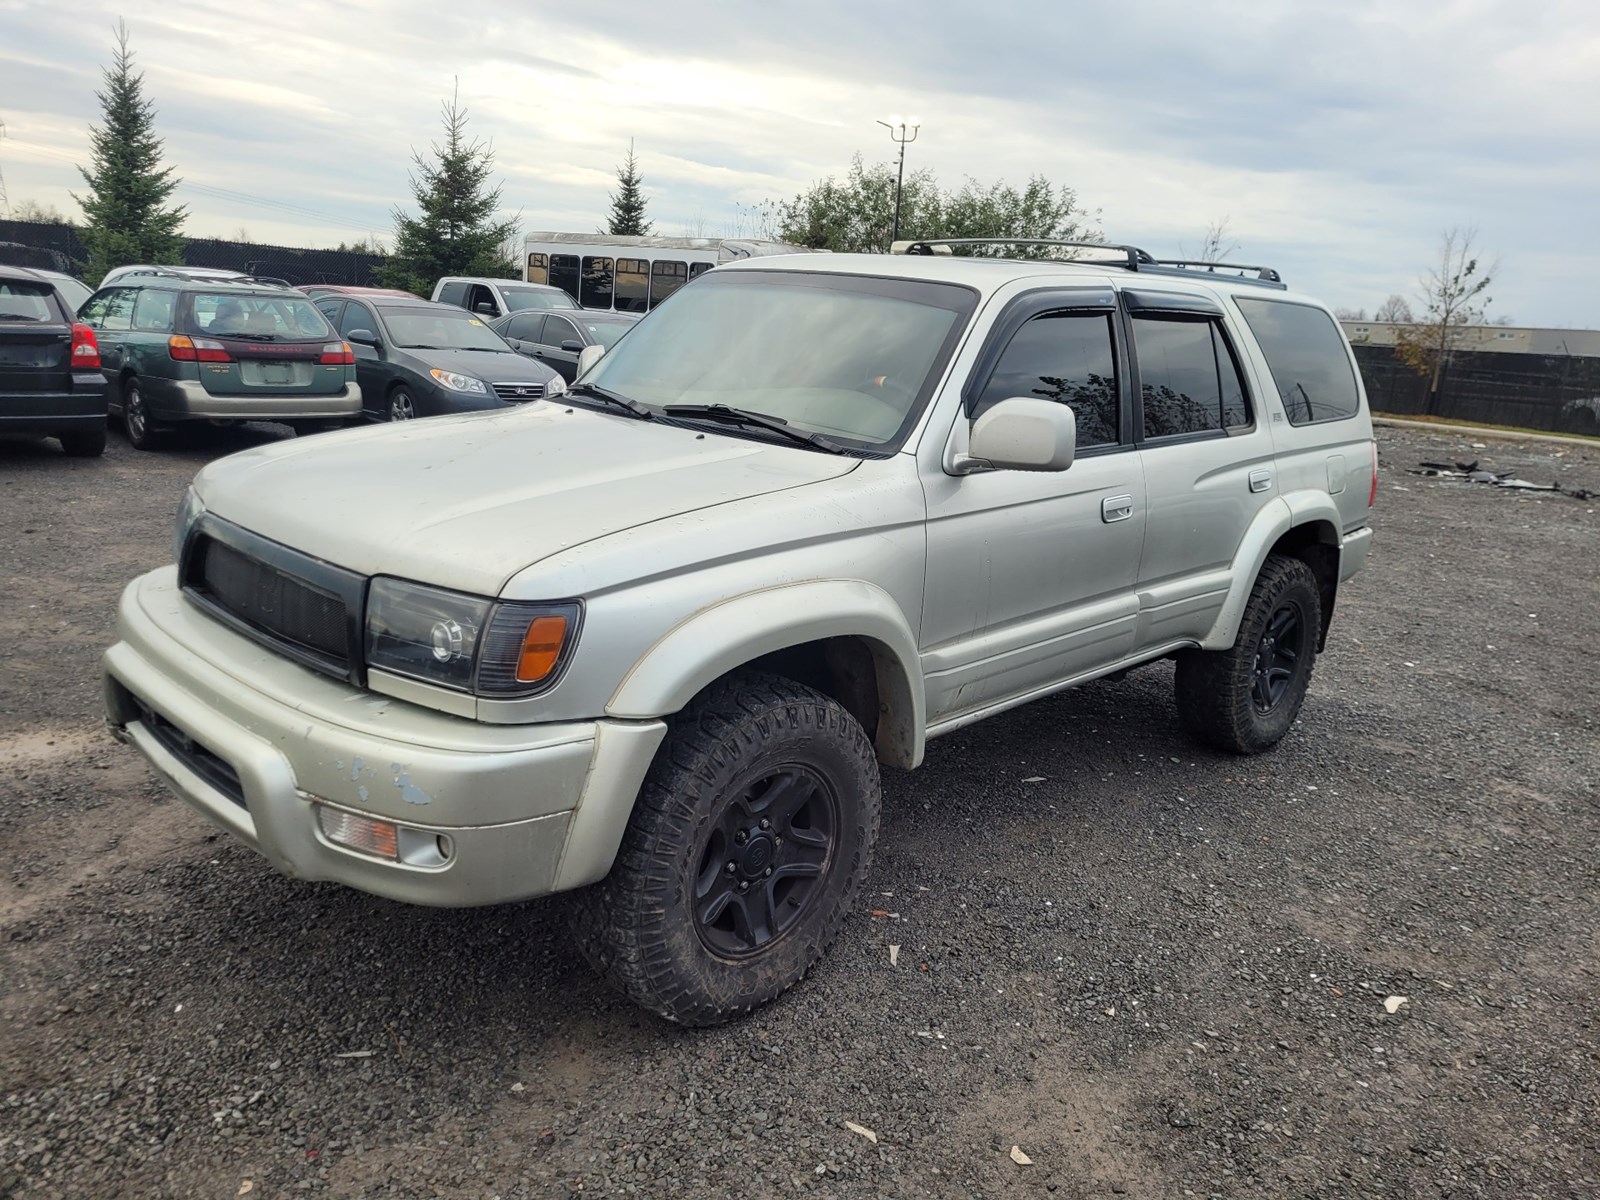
[360,833]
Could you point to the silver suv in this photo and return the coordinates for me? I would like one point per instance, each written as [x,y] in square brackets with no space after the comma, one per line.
[656,638]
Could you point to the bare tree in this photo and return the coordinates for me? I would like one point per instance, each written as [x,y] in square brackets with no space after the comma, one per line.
[1453,301]
[1350,314]
[1217,243]
[242,234]
[32,210]
[1396,310]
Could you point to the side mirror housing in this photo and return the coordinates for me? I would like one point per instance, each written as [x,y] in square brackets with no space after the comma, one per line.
[572,346]
[487,309]
[363,337]
[1023,434]
[588,356]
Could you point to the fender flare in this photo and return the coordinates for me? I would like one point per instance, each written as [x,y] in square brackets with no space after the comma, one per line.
[1289,511]
[725,635]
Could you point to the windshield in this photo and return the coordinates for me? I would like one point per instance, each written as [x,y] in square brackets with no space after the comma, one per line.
[606,333]
[852,357]
[440,329]
[523,299]
[263,318]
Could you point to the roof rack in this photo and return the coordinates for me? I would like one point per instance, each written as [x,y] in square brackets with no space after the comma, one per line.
[1129,257]
[1263,273]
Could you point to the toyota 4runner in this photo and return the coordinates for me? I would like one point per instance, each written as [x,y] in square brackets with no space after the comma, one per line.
[656,637]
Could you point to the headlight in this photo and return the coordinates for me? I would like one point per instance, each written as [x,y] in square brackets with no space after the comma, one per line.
[556,387]
[188,513]
[466,643]
[459,383]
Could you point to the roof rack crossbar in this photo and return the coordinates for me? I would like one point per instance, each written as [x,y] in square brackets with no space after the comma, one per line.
[1134,255]
[1266,273]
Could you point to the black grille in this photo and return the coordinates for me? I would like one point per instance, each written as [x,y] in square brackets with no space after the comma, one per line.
[519,391]
[192,754]
[307,609]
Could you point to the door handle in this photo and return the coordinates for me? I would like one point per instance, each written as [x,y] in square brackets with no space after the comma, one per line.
[1260,481]
[1116,508]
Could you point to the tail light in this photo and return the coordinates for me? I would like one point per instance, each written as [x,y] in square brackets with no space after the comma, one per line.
[337,354]
[85,350]
[1372,496]
[187,349]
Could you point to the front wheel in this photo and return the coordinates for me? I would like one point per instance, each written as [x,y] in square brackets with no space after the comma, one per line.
[1245,698]
[401,406]
[747,846]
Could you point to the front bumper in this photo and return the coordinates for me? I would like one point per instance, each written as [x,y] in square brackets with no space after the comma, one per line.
[188,400]
[256,743]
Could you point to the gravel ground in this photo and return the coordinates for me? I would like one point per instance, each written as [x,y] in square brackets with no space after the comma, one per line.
[1158,971]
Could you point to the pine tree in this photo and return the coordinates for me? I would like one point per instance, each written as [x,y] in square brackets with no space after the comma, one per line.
[454,232]
[627,202]
[124,213]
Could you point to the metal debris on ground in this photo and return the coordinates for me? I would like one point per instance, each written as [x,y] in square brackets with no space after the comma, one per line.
[1472,473]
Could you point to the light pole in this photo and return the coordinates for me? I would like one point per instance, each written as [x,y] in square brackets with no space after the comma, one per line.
[901,131]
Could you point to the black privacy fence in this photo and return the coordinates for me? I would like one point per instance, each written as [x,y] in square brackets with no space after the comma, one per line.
[58,247]
[1555,392]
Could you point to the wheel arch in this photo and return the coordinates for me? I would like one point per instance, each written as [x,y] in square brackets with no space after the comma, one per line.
[846,638]
[1303,525]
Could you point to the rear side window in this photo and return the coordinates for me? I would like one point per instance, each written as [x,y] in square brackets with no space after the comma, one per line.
[357,316]
[1069,358]
[26,302]
[453,293]
[1188,382]
[152,313]
[1307,356]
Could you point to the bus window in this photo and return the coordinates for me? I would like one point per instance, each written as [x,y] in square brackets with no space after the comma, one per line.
[538,269]
[564,273]
[596,282]
[698,269]
[666,278]
[633,284]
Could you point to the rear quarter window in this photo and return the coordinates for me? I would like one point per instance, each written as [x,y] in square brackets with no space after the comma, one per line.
[24,302]
[1307,356]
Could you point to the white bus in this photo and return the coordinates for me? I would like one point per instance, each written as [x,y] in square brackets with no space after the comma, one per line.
[631,274]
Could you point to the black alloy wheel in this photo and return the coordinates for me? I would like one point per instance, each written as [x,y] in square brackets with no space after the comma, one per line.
[1278,654]
[765,860]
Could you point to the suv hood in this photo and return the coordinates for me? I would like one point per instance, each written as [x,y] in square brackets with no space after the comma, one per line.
[468,502]
[491,366]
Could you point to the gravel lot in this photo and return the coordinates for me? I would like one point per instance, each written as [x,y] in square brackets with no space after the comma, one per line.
[1158,971]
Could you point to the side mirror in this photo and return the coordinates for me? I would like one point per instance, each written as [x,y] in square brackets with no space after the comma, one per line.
[588,356]
[363,337]
[1023,434]
[572,346]
[487,309]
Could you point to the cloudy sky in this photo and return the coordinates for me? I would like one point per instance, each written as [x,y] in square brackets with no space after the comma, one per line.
[1337,139]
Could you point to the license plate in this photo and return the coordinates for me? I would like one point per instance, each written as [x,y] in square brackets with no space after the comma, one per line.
[276,373]
[256,373]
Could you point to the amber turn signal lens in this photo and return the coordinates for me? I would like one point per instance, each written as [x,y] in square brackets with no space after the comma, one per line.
[541,648]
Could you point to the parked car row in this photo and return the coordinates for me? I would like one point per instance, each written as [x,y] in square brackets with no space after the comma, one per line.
[159,347]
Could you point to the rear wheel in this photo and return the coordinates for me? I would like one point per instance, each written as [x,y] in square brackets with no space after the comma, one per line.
[401,407]
[746,849]
[1246,697]
[307,428]
[142,433]
[84,445]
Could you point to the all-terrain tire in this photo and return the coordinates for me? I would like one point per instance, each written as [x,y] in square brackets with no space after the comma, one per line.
[645,925]
[1245,698]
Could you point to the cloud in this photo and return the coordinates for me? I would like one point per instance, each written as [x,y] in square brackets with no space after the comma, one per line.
[1339,138]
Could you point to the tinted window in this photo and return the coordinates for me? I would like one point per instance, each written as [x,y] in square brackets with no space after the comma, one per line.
[558,330]
[526,299]
[538,269]
[633,284]
[525,328]
[453,293]
[266,318]
[152,312]
[597,283]
[329,308]
[22,301]
[1308,359]
[698,269]
[666,278]
[1068,358]
[564,273]
[357,316]
[481,300]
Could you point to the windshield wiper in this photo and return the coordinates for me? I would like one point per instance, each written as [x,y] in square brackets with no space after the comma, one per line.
[753,420]
[612,398]
[250,337]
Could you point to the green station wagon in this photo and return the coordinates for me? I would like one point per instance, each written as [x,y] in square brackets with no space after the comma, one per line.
[177,349]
